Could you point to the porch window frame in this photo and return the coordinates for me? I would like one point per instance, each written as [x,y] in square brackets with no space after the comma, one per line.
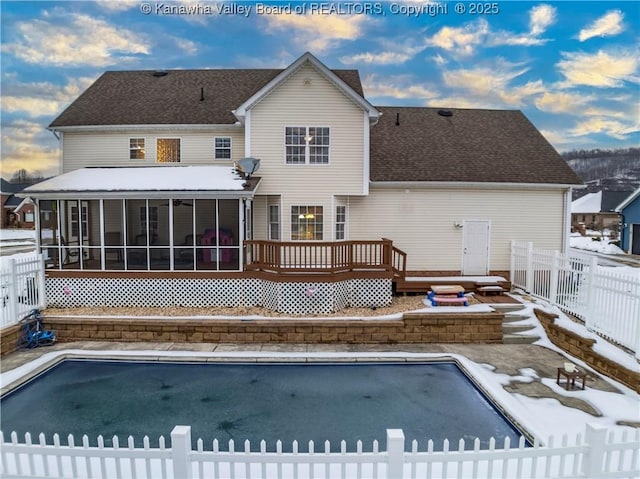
[158,138]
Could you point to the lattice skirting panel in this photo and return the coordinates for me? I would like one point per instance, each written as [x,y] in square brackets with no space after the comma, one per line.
[291,298]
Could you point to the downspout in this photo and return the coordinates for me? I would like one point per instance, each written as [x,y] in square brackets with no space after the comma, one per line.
[566,227]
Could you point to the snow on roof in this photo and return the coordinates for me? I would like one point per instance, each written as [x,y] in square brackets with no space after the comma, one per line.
[135,179]
[589,203]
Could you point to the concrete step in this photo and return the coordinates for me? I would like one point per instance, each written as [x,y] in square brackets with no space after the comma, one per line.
[514,328]
[518,339]
[507,307]
[512,317]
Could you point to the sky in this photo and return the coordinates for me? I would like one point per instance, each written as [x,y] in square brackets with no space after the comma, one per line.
[572,67]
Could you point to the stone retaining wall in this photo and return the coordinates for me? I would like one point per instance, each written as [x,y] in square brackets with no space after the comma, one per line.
[412,328]
[582,348]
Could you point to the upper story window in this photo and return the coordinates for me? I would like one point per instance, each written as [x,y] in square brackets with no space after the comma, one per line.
[222,148]
[168,150]
[136,149]
[306,145]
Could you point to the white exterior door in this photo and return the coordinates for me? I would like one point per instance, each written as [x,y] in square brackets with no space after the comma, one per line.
[475,247]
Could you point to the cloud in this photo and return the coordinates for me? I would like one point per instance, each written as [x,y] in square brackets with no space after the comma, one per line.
[600,69]
[74,40]
[382,58]
[562,102]
[608,25]
[461,40]
[41,99]
[613,128]
[399,87]
[492,86]
[317,33]
[28,145]
[541,17]
[118,5]
[557,139]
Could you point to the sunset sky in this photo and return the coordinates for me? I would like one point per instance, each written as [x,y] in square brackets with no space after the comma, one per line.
[571,67]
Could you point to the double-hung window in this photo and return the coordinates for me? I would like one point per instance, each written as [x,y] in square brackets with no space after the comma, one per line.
[168,150]
[136,149]
[222,148]
[306,145]
[274,222]
[341,222]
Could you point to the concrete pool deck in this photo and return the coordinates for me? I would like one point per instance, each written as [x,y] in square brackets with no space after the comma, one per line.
[506,359]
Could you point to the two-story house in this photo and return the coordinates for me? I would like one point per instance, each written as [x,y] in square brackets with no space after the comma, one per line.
[151,210]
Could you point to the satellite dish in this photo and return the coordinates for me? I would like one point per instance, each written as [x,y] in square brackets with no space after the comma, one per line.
[247,166]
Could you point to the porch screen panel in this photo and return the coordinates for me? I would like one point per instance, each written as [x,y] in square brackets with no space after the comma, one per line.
[91,239]
[137,239]
[49,233]
[159,240]
[228,234]
[70,233]
[114,234]
[207,233]
[184,238]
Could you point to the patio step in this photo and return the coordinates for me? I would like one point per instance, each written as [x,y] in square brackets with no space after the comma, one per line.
[512,328]
[507,307]
[518,339]
[511,317]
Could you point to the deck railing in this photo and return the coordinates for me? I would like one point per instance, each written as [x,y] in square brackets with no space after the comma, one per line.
[323,257]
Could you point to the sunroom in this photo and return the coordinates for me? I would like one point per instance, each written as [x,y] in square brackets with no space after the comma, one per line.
[172,218]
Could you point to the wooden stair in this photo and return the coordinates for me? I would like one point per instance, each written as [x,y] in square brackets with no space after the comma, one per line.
[405,285]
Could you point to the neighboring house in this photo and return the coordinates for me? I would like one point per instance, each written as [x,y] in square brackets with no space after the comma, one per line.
[597,211]
[629,210]
[149,195]
[16,212]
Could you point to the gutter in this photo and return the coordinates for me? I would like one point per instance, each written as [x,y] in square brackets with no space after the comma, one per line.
[469,184]
[172,127]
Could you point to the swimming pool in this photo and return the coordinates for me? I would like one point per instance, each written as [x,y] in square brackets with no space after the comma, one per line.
[310,401]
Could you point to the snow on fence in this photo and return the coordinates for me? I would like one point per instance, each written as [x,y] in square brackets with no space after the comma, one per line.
[608,302]
[599,455]
[21,286]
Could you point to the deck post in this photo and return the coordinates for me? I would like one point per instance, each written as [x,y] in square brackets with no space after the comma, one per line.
[395,453]
[180,451]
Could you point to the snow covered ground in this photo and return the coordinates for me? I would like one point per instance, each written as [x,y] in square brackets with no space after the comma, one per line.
[587,243]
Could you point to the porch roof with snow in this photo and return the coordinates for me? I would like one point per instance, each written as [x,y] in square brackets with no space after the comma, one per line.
[146,182]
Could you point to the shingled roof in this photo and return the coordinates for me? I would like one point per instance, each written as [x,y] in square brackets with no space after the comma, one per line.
[463,145]
[150,98]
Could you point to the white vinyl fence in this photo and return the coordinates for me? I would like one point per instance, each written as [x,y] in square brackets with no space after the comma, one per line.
[608,302]
[21,286]
[598,455]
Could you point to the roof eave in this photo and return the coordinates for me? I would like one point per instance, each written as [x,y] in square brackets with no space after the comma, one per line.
[627,201]
[472,184]
[147,127]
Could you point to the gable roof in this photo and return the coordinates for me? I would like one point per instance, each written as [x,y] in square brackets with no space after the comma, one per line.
[144,98]
[628,200]
[486,146]
[602,201]
[308,58]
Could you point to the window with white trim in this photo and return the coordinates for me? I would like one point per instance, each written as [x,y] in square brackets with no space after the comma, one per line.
[168,150]
[274,222]
[222,148]
[306,145]
[136,149]
[341,222]
[306,223]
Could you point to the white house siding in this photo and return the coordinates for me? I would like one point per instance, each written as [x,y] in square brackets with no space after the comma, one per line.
[102,148]
[421,222]
[319,103]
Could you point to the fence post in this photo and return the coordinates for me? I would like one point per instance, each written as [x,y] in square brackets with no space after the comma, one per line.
[591,301]
[512,269]
[180,451]
[12,292]
[529,276]
[593,457]
[42,295]
[553,286]
[395,453]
